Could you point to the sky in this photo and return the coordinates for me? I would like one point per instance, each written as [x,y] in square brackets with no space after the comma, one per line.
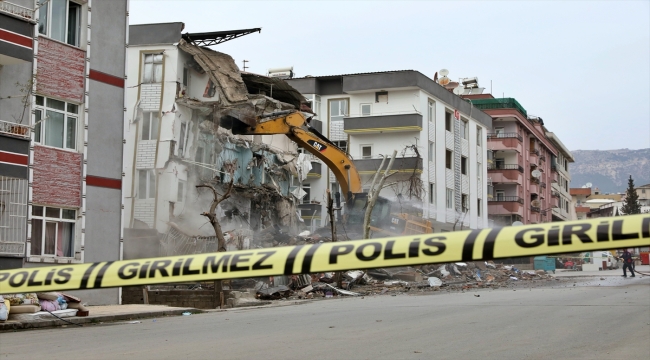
[582,66]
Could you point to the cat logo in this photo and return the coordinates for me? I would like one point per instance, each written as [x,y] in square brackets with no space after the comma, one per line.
[316,145]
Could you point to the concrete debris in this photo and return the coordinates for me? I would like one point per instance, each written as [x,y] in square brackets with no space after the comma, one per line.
[434,281]
[274,293]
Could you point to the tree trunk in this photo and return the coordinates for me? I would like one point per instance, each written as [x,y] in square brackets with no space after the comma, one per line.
[373,195]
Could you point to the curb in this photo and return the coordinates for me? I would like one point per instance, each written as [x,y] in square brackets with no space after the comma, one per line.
[10,325]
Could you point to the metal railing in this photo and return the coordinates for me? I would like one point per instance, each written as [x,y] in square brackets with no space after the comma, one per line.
[505,136]
[535,208]
[14,129]
[13,216]
[498,198]
[11,8]
[498,166]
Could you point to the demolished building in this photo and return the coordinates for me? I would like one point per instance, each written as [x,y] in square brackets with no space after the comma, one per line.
[177,90]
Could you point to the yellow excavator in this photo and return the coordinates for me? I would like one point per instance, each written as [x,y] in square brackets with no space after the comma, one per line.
[294,125]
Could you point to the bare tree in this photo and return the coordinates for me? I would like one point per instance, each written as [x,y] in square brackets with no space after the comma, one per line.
[211,214]
[460,218]
[375,189]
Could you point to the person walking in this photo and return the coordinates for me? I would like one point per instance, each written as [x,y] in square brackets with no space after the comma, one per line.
[627,263]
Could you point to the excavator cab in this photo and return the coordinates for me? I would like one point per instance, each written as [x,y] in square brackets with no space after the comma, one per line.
[356,211]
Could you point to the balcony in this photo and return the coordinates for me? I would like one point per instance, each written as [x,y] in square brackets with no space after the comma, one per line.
[555,202]
[381,123]
[507,199]
[554,167]
[535,209]
[316,169]
[505,141]
[16,34]
[533,188]
[542,184]
[15,130]
[534,157]
[309,210]
[506,167]
[505,136]
[17,10]
[401,165]
[555,194]
[503,103]
[505,205]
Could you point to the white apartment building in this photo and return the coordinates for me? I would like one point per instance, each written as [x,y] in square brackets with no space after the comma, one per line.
[371,114]
[560,189]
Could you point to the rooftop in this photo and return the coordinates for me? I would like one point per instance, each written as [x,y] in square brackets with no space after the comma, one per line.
[499,103]
[580,191]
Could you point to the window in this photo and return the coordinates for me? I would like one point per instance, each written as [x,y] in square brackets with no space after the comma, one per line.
[566,165]
[464,129]
[479,136]
[432,111]
[381,96]
[478,207]
[464,202]
[58,127]
[432,193]
[186,76]
[448,124]
[180,191]
[181,139]
[60,20]
[150,124]
[338,109]
[500,195]
[499,131]
[307,189]
[53,231]
[432,151]
[479,172]
[463,165]
[449,159]
[450,199]
[146,184]
[366,151]
[366,109]
[152,69]
[499,163]
[342,144]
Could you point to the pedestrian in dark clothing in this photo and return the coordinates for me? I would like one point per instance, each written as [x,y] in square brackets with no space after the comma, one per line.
[627,263]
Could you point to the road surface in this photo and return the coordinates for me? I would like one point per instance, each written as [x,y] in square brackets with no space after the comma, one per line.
[581,322]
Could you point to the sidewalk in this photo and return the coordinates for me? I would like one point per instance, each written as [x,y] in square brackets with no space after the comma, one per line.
[618,272]
[99,314]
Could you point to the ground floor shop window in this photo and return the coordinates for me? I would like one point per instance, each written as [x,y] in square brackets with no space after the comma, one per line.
[53,231]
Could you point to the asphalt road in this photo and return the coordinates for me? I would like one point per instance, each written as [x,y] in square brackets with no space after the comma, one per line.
[581,322]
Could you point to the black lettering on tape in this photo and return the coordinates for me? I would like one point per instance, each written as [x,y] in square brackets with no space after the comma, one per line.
[187,270]
[375,252]
[86,276]
[306,262]
[143,270]
[602,231]
[468,246]
[291,259]
[388,254]
[553,236]
[258,264]
[64,276]
[13,282]
[645,228]
[214,264]
[133,272]
[238,259]
[538,237]
[440,247]
[100,275]
[4,276]
[488,247]
[618,234]
[176,271]
[31,281]
[579,230]
[339,250]
[49,276]
[159,265]
[414,248]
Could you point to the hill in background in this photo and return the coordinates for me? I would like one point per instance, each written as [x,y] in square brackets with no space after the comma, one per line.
[609,170]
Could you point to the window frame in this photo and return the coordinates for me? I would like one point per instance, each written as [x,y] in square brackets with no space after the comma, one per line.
[154,64]
[41,122]
[464,202]
[146,118]
[306,187]
[365,146]
[449,125]
[338,144]
[431,111]
[479,136]
[432,193]
[463,165]
[361,106]
[330,115]
[44,220]
[498,192]
[449,159]
[432,151]
[464,129]
[47,6]
[478,207]
[379,95]
[150,184]
[449,201]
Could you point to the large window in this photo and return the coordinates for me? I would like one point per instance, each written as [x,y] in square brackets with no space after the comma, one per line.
[366,109]
[53,231]
[60,20]
[479,136]
[366,151]
[432,193]
[450,198]
[152,69]
[432,151]
[307,189]
[478,207]
[465,202]
[448,122]
[464,129]
[150,124]
[338,109]
[449,159]
[146,184]
[431,114]
[463,165]
[342,144]
[56,123]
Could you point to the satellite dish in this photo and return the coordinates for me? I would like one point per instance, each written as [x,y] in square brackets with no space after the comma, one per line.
[443,81]
[535,203]
[536,173]
[443,72]
[589,185]
[451,85]
[517,223]
[459,90]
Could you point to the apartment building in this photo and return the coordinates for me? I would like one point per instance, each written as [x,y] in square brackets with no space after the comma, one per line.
[521,170]
[560,189]
[61,134]
[178,90]
[439,137]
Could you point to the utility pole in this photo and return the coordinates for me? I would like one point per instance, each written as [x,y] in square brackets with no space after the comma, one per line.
[245,67]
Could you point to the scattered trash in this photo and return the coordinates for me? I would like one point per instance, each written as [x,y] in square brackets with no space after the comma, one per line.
[187,313]
[434,281]
[513,278]
[134,322]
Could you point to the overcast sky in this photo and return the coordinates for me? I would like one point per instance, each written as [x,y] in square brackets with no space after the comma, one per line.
[583,66]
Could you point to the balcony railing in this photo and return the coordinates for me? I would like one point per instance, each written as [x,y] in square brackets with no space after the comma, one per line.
[498,198]
[534,180]
[13,129]
[542,184]
[506,167]
[17,10]
[534,152]
[502,103]
[535,208]
[505,136]
[554,167]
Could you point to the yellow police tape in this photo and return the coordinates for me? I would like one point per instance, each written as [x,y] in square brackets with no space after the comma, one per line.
[483,244]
